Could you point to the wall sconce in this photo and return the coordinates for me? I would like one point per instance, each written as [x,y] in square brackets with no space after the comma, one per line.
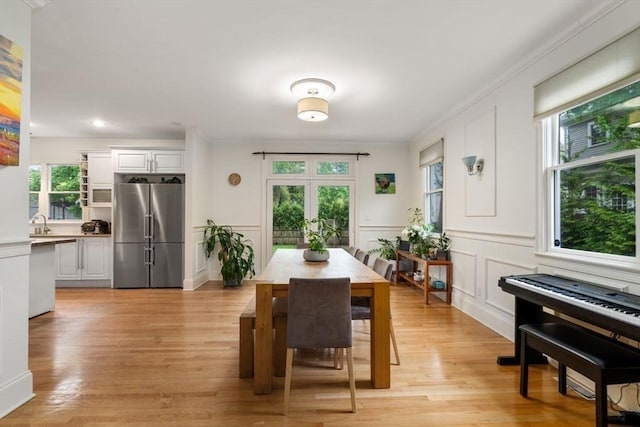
[473,166]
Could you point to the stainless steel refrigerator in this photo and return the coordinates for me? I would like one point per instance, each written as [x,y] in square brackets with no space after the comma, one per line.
[148,230]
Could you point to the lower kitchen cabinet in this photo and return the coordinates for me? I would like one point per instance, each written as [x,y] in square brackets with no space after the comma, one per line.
[87,258]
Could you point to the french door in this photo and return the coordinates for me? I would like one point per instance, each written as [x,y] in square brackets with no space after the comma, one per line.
[289,201]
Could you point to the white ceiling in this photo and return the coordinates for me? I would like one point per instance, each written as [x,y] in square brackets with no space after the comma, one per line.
[150,68]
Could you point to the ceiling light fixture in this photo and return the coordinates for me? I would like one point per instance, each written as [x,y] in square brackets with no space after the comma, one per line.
[312,94]
[98,123]
[634,119]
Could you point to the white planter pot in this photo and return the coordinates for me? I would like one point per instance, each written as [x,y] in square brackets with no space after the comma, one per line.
[315,256]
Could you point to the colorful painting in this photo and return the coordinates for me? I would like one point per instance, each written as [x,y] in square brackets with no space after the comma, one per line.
[10,101]
[385,183]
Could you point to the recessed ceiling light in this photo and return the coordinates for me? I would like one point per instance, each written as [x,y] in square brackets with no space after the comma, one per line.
[98,123]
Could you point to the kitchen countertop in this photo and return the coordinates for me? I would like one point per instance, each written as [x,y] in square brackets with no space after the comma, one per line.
[50,240]
[65,235]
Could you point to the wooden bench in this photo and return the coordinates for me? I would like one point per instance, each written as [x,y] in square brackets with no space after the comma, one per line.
[604,361]
[247,324]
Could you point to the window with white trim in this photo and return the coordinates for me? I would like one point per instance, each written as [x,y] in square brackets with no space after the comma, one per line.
[433,180]
[55,194]
[432,164]
[592,189]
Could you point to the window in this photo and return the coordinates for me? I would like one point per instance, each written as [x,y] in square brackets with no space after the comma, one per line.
[595,134]
[333,168]
[433,195]
[35,179]
[286,167]
[317,168]
[64,192]
[592,174]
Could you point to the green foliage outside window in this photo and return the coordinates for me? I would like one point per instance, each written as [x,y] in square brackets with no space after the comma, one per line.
[35,174]
[64,195]
[597,200]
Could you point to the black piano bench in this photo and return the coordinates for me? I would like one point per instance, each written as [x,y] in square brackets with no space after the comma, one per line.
[604,361]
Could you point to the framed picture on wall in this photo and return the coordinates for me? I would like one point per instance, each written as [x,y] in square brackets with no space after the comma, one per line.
[10,101]
[385,183]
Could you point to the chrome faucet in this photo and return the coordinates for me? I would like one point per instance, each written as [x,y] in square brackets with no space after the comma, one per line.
[45,229]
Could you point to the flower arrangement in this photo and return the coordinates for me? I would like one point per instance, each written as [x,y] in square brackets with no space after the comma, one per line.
[418,233]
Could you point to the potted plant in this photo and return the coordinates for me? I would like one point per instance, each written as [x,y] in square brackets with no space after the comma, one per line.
[318,232]
[443,244]
[386,248]
[235,255]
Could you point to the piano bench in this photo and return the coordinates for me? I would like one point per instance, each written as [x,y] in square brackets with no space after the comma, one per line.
[602,360]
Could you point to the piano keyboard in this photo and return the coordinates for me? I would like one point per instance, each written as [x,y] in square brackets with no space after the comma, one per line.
[610,303]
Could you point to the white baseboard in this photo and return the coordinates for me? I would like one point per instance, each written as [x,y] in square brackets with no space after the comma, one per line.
[16,393]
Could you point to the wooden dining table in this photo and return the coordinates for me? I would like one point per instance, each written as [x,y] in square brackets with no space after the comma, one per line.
[273,281]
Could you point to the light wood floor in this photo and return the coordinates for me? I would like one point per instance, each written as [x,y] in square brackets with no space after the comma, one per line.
[164,357]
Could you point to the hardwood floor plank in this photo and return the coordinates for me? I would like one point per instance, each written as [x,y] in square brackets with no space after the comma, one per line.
[165,357]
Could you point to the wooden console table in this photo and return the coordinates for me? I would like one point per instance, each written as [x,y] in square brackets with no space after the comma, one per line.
[424,285]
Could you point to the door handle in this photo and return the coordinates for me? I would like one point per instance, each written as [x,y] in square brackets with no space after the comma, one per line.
[78,255]
[152,226]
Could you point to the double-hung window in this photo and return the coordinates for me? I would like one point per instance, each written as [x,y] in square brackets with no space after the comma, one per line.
[590,116]
[431,162]
[594,153]
[56,193]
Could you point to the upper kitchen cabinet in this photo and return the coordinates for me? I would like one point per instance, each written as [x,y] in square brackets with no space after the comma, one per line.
[148,161]
[100,174]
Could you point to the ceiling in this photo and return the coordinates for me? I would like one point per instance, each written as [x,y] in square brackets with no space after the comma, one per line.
[151,68]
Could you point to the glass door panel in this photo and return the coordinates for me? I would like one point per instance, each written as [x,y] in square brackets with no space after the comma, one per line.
[333,203]
[290,201]
[287,207]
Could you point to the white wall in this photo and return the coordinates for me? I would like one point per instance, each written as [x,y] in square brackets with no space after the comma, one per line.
[16,382]
[197,203]
[243,206]
[493,217]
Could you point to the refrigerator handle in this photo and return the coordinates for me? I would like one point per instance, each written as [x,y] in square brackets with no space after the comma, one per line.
[152,227]
[153,254]
[146,227]
[147,256]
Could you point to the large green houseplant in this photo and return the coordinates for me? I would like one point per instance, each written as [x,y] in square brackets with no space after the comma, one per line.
[386,248]
[235,253]
[318,233]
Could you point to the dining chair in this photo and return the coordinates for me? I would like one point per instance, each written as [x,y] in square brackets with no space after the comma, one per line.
[319,316]
[361,306]
[362,256]
[352,250]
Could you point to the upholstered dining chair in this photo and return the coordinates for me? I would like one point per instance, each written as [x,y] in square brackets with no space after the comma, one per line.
[319,316]
[361,306]
[352,250]
[362,256]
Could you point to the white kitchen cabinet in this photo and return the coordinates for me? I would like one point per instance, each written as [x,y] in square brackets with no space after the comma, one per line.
[100,174]
[148,161]
[86,259]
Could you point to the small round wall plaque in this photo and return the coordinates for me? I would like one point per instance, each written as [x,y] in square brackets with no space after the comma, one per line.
[234,179]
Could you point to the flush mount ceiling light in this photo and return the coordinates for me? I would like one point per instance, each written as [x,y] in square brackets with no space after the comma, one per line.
[98,123]
[312,94]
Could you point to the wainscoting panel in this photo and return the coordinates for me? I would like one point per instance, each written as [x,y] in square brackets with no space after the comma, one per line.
[496,268]
[465,274]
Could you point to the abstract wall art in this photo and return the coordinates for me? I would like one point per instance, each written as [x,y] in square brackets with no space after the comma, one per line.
[10,101]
